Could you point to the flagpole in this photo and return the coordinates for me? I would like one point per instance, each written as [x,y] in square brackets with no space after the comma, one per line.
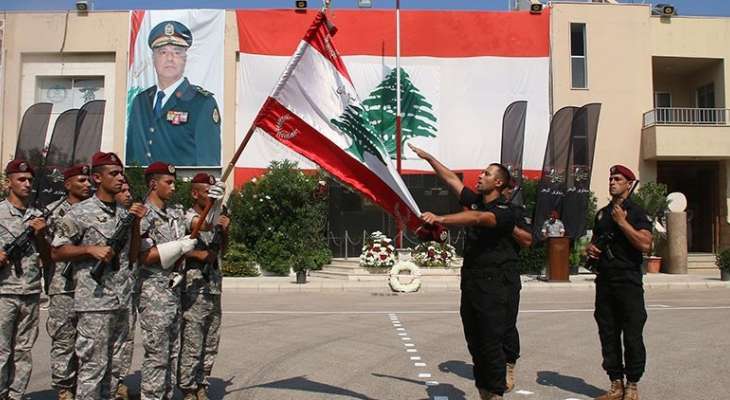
[399,237]
[397,88]
[224,177]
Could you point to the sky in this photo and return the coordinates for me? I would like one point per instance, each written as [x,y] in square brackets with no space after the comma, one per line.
[684,7]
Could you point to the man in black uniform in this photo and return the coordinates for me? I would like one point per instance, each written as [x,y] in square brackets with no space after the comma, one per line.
[522,238]
[622,232]
[489,253]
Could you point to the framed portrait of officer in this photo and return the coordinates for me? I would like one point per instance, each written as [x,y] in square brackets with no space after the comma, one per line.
[175,88]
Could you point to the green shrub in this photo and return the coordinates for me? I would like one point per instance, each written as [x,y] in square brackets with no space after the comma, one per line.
[652,197]
[239,261]
[282,217]
[722,260]
[533,260]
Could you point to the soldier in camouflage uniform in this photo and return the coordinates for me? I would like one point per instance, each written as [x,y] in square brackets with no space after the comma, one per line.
[20,281]
[201,300]
[121,366]
[163,245]
[61,322]
[100,306]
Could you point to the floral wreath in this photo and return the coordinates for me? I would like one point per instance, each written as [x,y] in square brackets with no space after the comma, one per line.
[413,285]
[378,251]
[433,254]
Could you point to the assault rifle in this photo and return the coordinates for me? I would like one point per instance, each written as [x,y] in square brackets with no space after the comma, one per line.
[116,242]
[15,249]
[604,241]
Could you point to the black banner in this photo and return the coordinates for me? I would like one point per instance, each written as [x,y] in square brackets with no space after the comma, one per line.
[88,131]
[513,140]
[552,185]
[32,133]
[580,164]
[58,157]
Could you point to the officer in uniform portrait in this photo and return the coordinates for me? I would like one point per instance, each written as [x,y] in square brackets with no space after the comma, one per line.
[173,121]
[623,232]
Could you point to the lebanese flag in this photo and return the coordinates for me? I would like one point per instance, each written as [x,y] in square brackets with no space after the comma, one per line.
[315,111]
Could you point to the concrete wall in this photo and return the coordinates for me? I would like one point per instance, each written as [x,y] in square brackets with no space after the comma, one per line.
[619,77]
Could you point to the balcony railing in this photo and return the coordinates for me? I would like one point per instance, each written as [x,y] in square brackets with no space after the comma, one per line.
[686,116]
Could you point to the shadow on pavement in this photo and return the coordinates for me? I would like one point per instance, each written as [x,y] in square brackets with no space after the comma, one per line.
[442,389]
[306,385]
[459,368]
[568,383]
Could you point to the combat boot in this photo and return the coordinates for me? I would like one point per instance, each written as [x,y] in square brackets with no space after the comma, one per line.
[487,395]
[189,395]
[122,392]
[202,392]
[65,394]
[510,378]
[615,393]
[632,391]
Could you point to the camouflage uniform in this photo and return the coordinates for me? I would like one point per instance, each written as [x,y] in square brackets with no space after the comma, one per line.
[19,299]
[100,308]
[201,303]
[122,366]
[159,306]
[61,322]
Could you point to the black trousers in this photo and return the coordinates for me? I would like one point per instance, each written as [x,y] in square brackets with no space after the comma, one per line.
[483,314]
[621,313]
[511,344]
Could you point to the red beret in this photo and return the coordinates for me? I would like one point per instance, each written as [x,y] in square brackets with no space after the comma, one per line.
[202,177]
[621,170]
[78,169]
[435,232]
[159,167]
[100,158]
[16,166]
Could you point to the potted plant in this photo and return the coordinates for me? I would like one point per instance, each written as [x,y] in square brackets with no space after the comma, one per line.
[722,259]
[652,197]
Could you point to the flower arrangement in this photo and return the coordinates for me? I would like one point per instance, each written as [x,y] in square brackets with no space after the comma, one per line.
[377,251]
[433,254]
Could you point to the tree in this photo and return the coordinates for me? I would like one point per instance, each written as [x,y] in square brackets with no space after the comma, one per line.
[380,110]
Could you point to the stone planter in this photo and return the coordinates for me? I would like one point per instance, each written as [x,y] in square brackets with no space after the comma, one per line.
[725,275]
[653,264]
[302,276]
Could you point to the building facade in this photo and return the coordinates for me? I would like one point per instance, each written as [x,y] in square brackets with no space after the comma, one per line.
[661,82]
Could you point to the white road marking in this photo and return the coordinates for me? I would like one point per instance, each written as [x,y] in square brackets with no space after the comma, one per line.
[407,339]
[409,344]
[400,329]
[424,375]
[411,350]
[415,358]
[419,364]
[525,392]
[402,334]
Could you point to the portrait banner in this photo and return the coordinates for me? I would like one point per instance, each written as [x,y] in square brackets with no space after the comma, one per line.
[175,87]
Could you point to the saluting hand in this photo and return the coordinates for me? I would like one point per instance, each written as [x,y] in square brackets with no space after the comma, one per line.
[138,210]
[420,153]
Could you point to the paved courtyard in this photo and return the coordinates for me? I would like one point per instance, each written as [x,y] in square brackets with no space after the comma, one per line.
[375,345]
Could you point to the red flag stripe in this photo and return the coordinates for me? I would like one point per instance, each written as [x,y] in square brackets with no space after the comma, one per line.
[319,37]
[423,33]
[135,23]
[296,134]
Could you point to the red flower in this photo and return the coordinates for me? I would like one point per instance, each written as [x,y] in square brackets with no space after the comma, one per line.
[383,256]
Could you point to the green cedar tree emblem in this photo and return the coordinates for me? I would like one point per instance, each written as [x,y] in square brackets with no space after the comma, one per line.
[372,126]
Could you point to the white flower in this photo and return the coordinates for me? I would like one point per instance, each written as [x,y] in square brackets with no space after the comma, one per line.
[267,197]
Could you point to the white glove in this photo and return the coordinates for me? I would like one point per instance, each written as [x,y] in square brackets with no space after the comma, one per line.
[170,252]
[214,213]
[217,190]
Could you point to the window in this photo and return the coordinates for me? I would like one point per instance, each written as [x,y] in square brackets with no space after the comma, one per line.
[662,100]
[66,92]
[578,67]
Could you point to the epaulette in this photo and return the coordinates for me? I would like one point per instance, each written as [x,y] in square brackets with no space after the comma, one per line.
[202,91]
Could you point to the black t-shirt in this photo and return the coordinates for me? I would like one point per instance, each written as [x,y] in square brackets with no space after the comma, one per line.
[521,222]
[489,247]
[626,256]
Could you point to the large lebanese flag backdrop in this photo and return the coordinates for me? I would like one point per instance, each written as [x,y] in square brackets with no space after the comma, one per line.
[466,68]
